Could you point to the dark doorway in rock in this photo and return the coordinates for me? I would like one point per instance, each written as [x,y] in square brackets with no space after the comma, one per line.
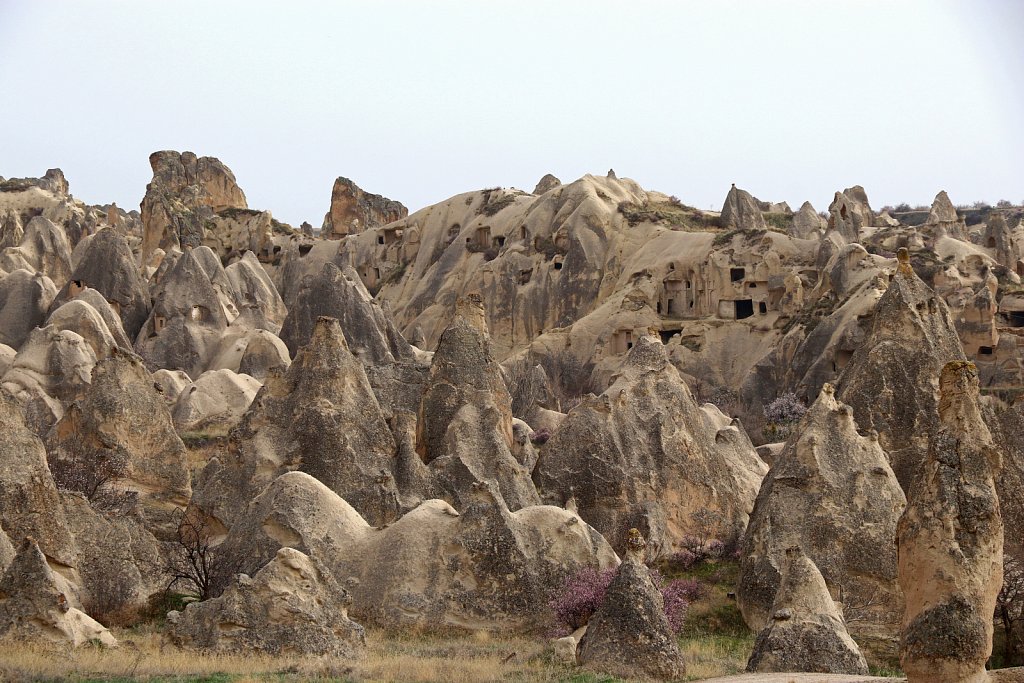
[744,308]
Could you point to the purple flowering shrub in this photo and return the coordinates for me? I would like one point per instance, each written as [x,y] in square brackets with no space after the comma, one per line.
[782,414]
[583,592]
[540,437]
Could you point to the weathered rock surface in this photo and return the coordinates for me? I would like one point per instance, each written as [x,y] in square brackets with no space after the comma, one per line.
[629,634]
[108,267]
[321,417]
[122,420]
[185,191]
[486,568]
[263,352]
[849,212]
[741,211]
[334,293]
[464,424]
[24,299]
[215,402]
[33,607]
[259,304]
[807,224]
[891,381]
[44,249]
[353,210]
[806,631]
[643,454]
[546,184]
[290,607]
[832,494]
[951,542]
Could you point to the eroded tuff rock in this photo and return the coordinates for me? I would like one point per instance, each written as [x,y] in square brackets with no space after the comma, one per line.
[464,424]
[643,454]
[259,304]
[629,634]
[951,542]
[370,334]
[321,417]
[215,402]
[290,607]
[28,497]
[108,267]
[484,568]
[44,248]
[806,631]
[353,210]
[741,211]
[263,352]
[807,224]
[999,238]
[546,184]
[891,381]
[122,420]
[849,212]
[832,495]
[34,607]
[24,299]
[185,191]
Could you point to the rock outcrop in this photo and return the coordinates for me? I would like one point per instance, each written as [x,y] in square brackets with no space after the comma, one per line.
[643,454]
[25,298]
[321,417]
[831,494]
[185,191]
[353,210]
[629,634]
[951,542]
[807,224]
[546,184]
[849,212]
[741,211]
[464,425]
[891,381]
[806,631]
[334,293]
[33,607]
[290,607]
[215,402]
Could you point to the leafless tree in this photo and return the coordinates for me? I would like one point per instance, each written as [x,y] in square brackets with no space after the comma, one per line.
[196,561]
[96,472]
[1010,604]
[861,604]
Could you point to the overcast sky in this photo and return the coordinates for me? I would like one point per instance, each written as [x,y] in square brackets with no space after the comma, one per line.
[421,100]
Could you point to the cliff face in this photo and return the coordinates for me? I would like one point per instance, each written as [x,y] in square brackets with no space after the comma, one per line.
[353,210]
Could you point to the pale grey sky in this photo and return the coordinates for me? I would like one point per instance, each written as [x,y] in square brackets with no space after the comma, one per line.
[421,100]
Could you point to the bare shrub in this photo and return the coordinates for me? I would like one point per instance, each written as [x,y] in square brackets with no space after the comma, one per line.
[195,561]
[525,385]
[571,378]
[96,472]
[1010,605]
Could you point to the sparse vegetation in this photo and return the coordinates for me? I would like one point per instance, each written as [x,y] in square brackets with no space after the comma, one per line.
[781,415]
[673,213]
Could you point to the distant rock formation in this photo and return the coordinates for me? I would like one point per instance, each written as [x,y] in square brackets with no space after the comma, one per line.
[807,224]
[951,542]
[849,212]
[546,184]
[806,631]
[943,215]
[999,238]
[186,190]
[629,634]
[353,210]
[25,297]
[741,211]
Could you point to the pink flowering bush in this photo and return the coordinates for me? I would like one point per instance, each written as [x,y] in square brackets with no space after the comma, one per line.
[540,437]
[582,593]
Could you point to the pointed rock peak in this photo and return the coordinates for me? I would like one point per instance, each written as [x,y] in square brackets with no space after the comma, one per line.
[648,353]
[546,184]
[741,211]
[958,403]
[30,573]
[327,338]
[942,210]
[471,309]
[803,589]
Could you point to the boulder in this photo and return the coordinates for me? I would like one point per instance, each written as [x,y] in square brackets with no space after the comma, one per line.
[215,402]
[807,502]
[741,211]
[108,266]
[643,454]
[33,606]
[629,634]
[806,631]
[891,381]
[320,416]
[264,352]
[353,210]
[334,293]
[464,424]
[951,542]
[290,607]
[25,297]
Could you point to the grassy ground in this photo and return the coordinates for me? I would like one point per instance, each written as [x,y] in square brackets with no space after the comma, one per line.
[715,642]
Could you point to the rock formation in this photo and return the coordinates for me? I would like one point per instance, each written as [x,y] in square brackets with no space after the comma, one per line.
[807,224]
[943,215]
[24,299]
[891,380]
[185,191]
[290,607]
[34,608]
[807,502]
[353,210]
[370,334]
[464,424]
[806,631]
[741,211]
[950,542]
[321,417]
[849,212]
[546,184]
[999,238]
[215,402]
[643,454]
[629,635]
